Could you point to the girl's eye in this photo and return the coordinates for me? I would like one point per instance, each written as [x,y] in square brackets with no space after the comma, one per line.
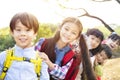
[66,29]
[74,33]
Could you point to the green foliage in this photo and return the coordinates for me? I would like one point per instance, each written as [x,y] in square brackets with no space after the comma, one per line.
[6,42]
[117,30]
[4,31]
[45,30]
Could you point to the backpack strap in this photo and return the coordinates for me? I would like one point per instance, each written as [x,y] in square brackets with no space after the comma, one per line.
[38,65]
[10,57]
[7,63]
[68,56]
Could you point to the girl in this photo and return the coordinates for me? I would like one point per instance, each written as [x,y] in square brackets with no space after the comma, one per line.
[64,63]
[113,41]
[93,38]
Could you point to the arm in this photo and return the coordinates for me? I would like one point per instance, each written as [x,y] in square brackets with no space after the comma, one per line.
[98,70]
[60,72]
[54,69]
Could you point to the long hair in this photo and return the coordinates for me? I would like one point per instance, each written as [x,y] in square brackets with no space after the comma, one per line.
[87,67]
[49,49]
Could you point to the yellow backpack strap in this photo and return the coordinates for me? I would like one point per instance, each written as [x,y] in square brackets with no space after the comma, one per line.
[7,63]
[37,62]
[38,65]
[10,57]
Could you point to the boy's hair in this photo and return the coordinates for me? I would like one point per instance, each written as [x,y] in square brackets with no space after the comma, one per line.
[95,32]
[27,19]
[114,37]
[107,50]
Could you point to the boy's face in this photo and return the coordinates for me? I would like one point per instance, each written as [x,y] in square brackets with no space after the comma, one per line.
[112,44]
[22,35]
[100,57]
[93,41]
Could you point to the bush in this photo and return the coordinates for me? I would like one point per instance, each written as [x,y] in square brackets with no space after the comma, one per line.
[6,42]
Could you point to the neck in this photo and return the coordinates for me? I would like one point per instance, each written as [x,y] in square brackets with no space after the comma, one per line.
[61,44]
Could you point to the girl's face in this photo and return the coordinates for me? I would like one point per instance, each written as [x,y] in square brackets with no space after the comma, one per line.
[69,32]
[93,41]
[100,57]
[112,44]
[22,35]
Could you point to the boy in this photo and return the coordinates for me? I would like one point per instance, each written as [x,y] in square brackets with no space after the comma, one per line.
[105,53]
[23,28]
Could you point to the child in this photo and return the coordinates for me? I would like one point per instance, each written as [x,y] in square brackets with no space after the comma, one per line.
[23,28]
[113,41]
[104,54]
[64,63]
[93,38]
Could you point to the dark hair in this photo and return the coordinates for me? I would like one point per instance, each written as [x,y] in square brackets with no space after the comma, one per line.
[95,32]
[98,34]
[107,50]
[27,19]
[87,66]
[115,37]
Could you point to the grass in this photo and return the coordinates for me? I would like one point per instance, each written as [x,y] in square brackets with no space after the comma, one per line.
[111,69]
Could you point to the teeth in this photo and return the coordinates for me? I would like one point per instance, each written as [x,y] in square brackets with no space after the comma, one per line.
[22,39]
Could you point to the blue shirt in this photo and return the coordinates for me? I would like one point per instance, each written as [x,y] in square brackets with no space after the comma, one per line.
[60,54]
[23,70]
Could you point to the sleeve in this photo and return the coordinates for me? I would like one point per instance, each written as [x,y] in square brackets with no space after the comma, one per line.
[39,44]
[98,70]
[44,75]
[92,60]
[60,72]
[2,59]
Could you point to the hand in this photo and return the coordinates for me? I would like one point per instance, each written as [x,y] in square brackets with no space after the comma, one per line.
[43,56]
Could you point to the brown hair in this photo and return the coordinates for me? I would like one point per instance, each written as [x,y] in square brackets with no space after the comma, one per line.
[27,19]
[87,67]
[51,42]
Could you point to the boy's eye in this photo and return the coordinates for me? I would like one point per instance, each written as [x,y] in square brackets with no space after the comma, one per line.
[18,29]
[28,29]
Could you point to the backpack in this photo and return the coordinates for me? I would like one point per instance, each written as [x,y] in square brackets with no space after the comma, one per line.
[10,58]
[73,70]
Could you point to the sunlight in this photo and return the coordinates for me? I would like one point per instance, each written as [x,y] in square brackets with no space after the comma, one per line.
[53,11]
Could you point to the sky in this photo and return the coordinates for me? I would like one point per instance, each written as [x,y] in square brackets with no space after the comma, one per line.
[48,11]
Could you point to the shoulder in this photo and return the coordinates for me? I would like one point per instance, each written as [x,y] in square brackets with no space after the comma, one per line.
[2,56]
[41,40]
[39,44]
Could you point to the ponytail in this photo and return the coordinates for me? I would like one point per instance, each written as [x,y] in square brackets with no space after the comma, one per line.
[87,67]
